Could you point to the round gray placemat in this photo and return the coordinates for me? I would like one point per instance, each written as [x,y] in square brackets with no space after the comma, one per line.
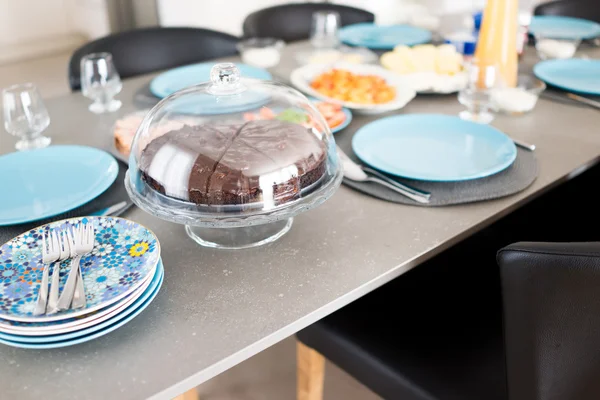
[512,180]
[115,194]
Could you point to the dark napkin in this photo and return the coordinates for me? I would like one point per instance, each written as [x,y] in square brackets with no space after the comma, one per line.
[116,193]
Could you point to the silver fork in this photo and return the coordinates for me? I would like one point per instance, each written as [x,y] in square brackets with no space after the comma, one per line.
[86,246]
[50,254]
[82,240]
[65,252]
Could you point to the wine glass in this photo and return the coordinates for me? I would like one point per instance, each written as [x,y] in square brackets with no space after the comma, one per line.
[25,116]
[100,82]
[324,29]
[477,94]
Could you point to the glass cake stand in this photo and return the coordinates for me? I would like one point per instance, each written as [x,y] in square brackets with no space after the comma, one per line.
[233,160]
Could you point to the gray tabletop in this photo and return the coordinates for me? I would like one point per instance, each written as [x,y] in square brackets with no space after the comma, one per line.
[217,308]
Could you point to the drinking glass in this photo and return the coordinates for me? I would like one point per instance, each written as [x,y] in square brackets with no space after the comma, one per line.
[25,116]
[476,95]
[324,29]
[100,82]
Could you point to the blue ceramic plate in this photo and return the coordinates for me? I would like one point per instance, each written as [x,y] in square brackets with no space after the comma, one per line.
[179,78]
[433,147]
[133,312]
[156,280]
[125,254]
[573,75]
[383,37]
[38,184]
[557,27]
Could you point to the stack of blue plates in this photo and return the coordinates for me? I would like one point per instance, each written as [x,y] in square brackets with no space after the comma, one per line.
[122,275]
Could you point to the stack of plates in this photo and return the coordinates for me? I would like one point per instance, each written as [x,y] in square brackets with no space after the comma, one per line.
[122,275]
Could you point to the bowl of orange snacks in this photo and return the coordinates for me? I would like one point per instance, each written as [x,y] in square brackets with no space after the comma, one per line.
[363,88]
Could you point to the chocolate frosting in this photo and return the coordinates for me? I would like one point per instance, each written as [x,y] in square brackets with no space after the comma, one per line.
[266,160]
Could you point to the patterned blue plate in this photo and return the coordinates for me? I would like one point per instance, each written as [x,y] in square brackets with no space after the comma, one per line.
[156,280]
[125,254]
[82,339]
[72,324]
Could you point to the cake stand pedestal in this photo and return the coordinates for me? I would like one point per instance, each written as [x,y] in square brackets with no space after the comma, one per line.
[239,238]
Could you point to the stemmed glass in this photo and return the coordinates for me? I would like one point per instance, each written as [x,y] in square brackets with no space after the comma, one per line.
[100,82]
[477,94]
[324,29]
[25,116]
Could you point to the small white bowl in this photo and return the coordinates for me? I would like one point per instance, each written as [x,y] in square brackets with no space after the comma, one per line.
[261,52]
[520,99]
[551,48]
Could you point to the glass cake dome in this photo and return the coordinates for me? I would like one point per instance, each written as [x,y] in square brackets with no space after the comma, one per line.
[233,159]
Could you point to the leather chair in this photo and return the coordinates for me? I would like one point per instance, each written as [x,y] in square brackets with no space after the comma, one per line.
[292,22]
[586,9]
[439,336]
[142,51]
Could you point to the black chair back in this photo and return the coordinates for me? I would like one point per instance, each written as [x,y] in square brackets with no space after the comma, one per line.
[142,51]
[291,22]
[551,296]
[586,9]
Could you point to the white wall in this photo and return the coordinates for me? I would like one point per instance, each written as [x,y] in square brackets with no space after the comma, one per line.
[35,28]
[228,15]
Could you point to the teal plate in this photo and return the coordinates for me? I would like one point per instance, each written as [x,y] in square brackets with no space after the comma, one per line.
[383,37]
[573,75]
[42,183]
[558,27]
[124,255]
[107,327]
[433,147]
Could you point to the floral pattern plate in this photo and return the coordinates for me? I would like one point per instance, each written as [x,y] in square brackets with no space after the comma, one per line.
[76,323]
[125,254]
[86,330]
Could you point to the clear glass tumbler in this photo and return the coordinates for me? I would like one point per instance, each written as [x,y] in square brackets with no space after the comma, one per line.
[476,96]
[25,116]
[100,82]
[324,29]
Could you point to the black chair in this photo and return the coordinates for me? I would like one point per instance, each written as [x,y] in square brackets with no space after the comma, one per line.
[423,338]
[291,22]
[586,9]
[142,51]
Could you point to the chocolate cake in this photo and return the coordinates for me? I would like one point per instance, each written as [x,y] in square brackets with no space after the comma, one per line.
[269,160]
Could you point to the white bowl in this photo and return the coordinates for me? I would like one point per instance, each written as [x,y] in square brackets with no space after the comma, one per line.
[303,76]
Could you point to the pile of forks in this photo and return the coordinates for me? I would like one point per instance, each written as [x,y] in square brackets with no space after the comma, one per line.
[58,245]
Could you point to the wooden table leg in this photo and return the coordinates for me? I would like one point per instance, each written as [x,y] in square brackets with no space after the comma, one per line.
[310,366]
[191,394]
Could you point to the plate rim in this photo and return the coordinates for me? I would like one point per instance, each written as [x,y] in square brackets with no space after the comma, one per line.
[74,334]
[59,316]
[567,18]
[487,173]
[75,325]
[545,63]
[161,94]
[92,336]
[381,46]
[113,168]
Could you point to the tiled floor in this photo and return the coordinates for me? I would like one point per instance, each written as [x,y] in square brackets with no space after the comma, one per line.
[270,375]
